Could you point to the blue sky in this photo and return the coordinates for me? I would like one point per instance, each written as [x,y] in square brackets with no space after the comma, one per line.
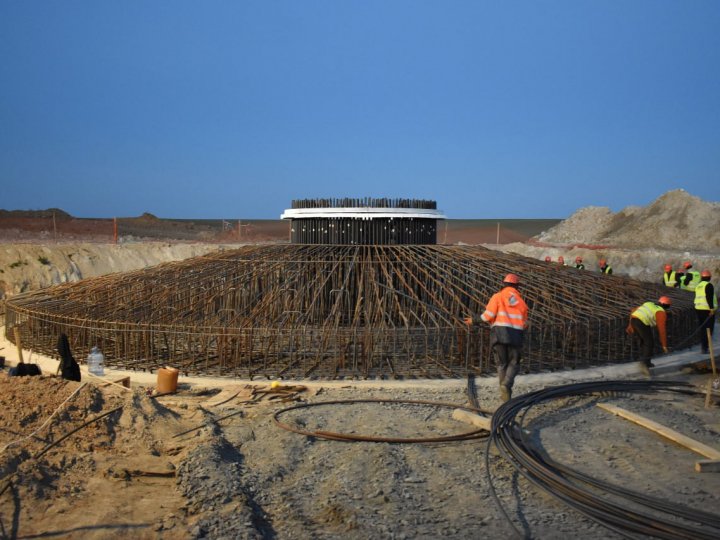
[231,109]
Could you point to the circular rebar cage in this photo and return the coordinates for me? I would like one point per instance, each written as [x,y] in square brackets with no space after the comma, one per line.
[338,312]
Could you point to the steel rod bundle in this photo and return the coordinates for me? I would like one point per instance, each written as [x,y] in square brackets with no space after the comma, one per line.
[337,311]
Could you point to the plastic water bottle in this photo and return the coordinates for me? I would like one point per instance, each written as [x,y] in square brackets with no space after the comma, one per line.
[96,362]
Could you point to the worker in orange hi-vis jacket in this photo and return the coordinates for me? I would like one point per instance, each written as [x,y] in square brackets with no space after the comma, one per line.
[642,321]
[507,314]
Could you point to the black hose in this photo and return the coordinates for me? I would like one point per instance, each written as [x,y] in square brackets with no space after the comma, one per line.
[330,435]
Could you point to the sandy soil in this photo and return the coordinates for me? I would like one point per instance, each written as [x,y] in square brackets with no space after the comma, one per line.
[212,463]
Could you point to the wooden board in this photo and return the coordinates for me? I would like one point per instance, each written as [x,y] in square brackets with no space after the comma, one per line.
[472,418]
[666,432]
[707,465]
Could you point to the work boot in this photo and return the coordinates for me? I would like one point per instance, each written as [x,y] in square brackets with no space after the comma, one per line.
[505,393]
[645,368]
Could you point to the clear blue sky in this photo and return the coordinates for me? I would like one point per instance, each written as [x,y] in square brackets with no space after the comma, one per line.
[230,109]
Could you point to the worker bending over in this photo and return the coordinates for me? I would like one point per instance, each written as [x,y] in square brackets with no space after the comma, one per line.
[604,267]
[706,304]
[507,315]
[642,321]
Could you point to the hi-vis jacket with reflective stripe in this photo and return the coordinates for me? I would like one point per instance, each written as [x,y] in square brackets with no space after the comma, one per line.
[506,308]
[701,298]
[693,282]
[650,314]
[670,278]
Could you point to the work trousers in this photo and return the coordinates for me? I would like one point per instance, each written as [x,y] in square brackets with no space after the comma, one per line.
[705,322]
[506,345]
[507,361]
[644,333]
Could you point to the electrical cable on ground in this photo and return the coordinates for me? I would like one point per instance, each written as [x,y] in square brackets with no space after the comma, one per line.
[329,435]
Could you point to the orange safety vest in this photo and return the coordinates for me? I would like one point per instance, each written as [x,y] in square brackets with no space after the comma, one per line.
[506,308]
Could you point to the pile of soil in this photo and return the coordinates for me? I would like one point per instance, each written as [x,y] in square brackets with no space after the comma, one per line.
[674,219]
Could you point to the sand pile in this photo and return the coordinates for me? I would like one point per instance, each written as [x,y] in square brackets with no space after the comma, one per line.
[674,219]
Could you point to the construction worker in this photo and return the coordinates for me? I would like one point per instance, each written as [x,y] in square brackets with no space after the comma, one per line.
[507,315]
[604,267]
[691,278]
[706,304]
[561,260]
[548,258]
[670,277]
[578,263]
[642,321]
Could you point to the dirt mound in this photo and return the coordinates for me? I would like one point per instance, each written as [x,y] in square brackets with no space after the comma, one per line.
[674,220]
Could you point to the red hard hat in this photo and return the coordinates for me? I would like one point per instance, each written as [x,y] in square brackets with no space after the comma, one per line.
[601,262]
[561,259]
[512,278]
[668,267]
[664,300]
[687,264]
[578,259]
[548,259]
[705,273]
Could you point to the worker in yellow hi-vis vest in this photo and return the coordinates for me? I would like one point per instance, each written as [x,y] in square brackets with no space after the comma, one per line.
[642,321]
[706,304]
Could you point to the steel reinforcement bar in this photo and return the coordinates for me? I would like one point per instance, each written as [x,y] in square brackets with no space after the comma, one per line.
[337,311]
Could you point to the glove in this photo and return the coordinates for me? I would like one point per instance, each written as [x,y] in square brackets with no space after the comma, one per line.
[629,329]
[665,350]
[468,321]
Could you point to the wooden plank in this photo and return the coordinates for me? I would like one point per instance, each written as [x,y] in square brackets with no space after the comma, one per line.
[18,343]
[125,382]
[666,432]
[471,418]
[707,465]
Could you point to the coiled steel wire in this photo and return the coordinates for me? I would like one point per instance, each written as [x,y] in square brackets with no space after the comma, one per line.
[652,516]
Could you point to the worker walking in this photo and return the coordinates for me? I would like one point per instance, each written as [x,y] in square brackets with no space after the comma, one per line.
[578,263]
[706,304]
[604,267]
[642,321]
[691,279]
[507,315]
[670,277]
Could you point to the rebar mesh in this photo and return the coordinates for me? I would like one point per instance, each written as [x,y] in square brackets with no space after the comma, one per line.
[338,311]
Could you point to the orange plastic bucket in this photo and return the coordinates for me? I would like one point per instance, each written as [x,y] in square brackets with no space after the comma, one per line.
[167,380]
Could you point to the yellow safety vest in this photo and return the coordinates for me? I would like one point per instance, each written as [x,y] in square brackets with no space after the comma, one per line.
[701,298]
[646,313]
[696,279]
[670,280]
